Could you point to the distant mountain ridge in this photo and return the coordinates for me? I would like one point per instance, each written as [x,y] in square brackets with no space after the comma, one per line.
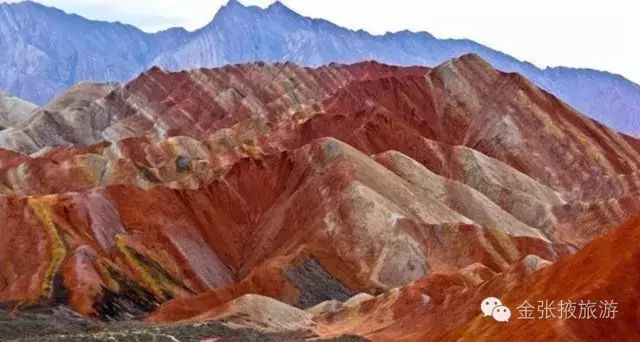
[44,51]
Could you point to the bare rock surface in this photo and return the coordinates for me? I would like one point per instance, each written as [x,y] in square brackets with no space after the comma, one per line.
[291,203]
[13,110]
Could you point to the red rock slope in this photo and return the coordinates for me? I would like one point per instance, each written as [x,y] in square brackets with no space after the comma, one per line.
[605,270]
[306,186]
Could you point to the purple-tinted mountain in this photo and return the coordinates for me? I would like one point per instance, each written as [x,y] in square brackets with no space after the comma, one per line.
[44,51]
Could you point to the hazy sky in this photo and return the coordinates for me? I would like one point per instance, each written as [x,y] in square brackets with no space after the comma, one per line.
[603,35]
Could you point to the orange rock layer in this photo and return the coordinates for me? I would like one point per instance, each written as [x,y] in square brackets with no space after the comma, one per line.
[428,188]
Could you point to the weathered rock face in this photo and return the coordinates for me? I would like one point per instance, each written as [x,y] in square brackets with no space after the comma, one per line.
[199,102]
[610,265]
[259,191]
[66,119]
[605,270]
[13,110]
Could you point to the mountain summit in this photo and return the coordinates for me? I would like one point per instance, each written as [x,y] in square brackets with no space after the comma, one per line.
[44,50]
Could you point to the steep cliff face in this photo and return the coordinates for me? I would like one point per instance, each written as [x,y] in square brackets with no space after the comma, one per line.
[347,199]
[44,51]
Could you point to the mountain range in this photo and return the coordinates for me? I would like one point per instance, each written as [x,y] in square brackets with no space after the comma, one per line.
[235,185]
[44,51]
[361,202]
